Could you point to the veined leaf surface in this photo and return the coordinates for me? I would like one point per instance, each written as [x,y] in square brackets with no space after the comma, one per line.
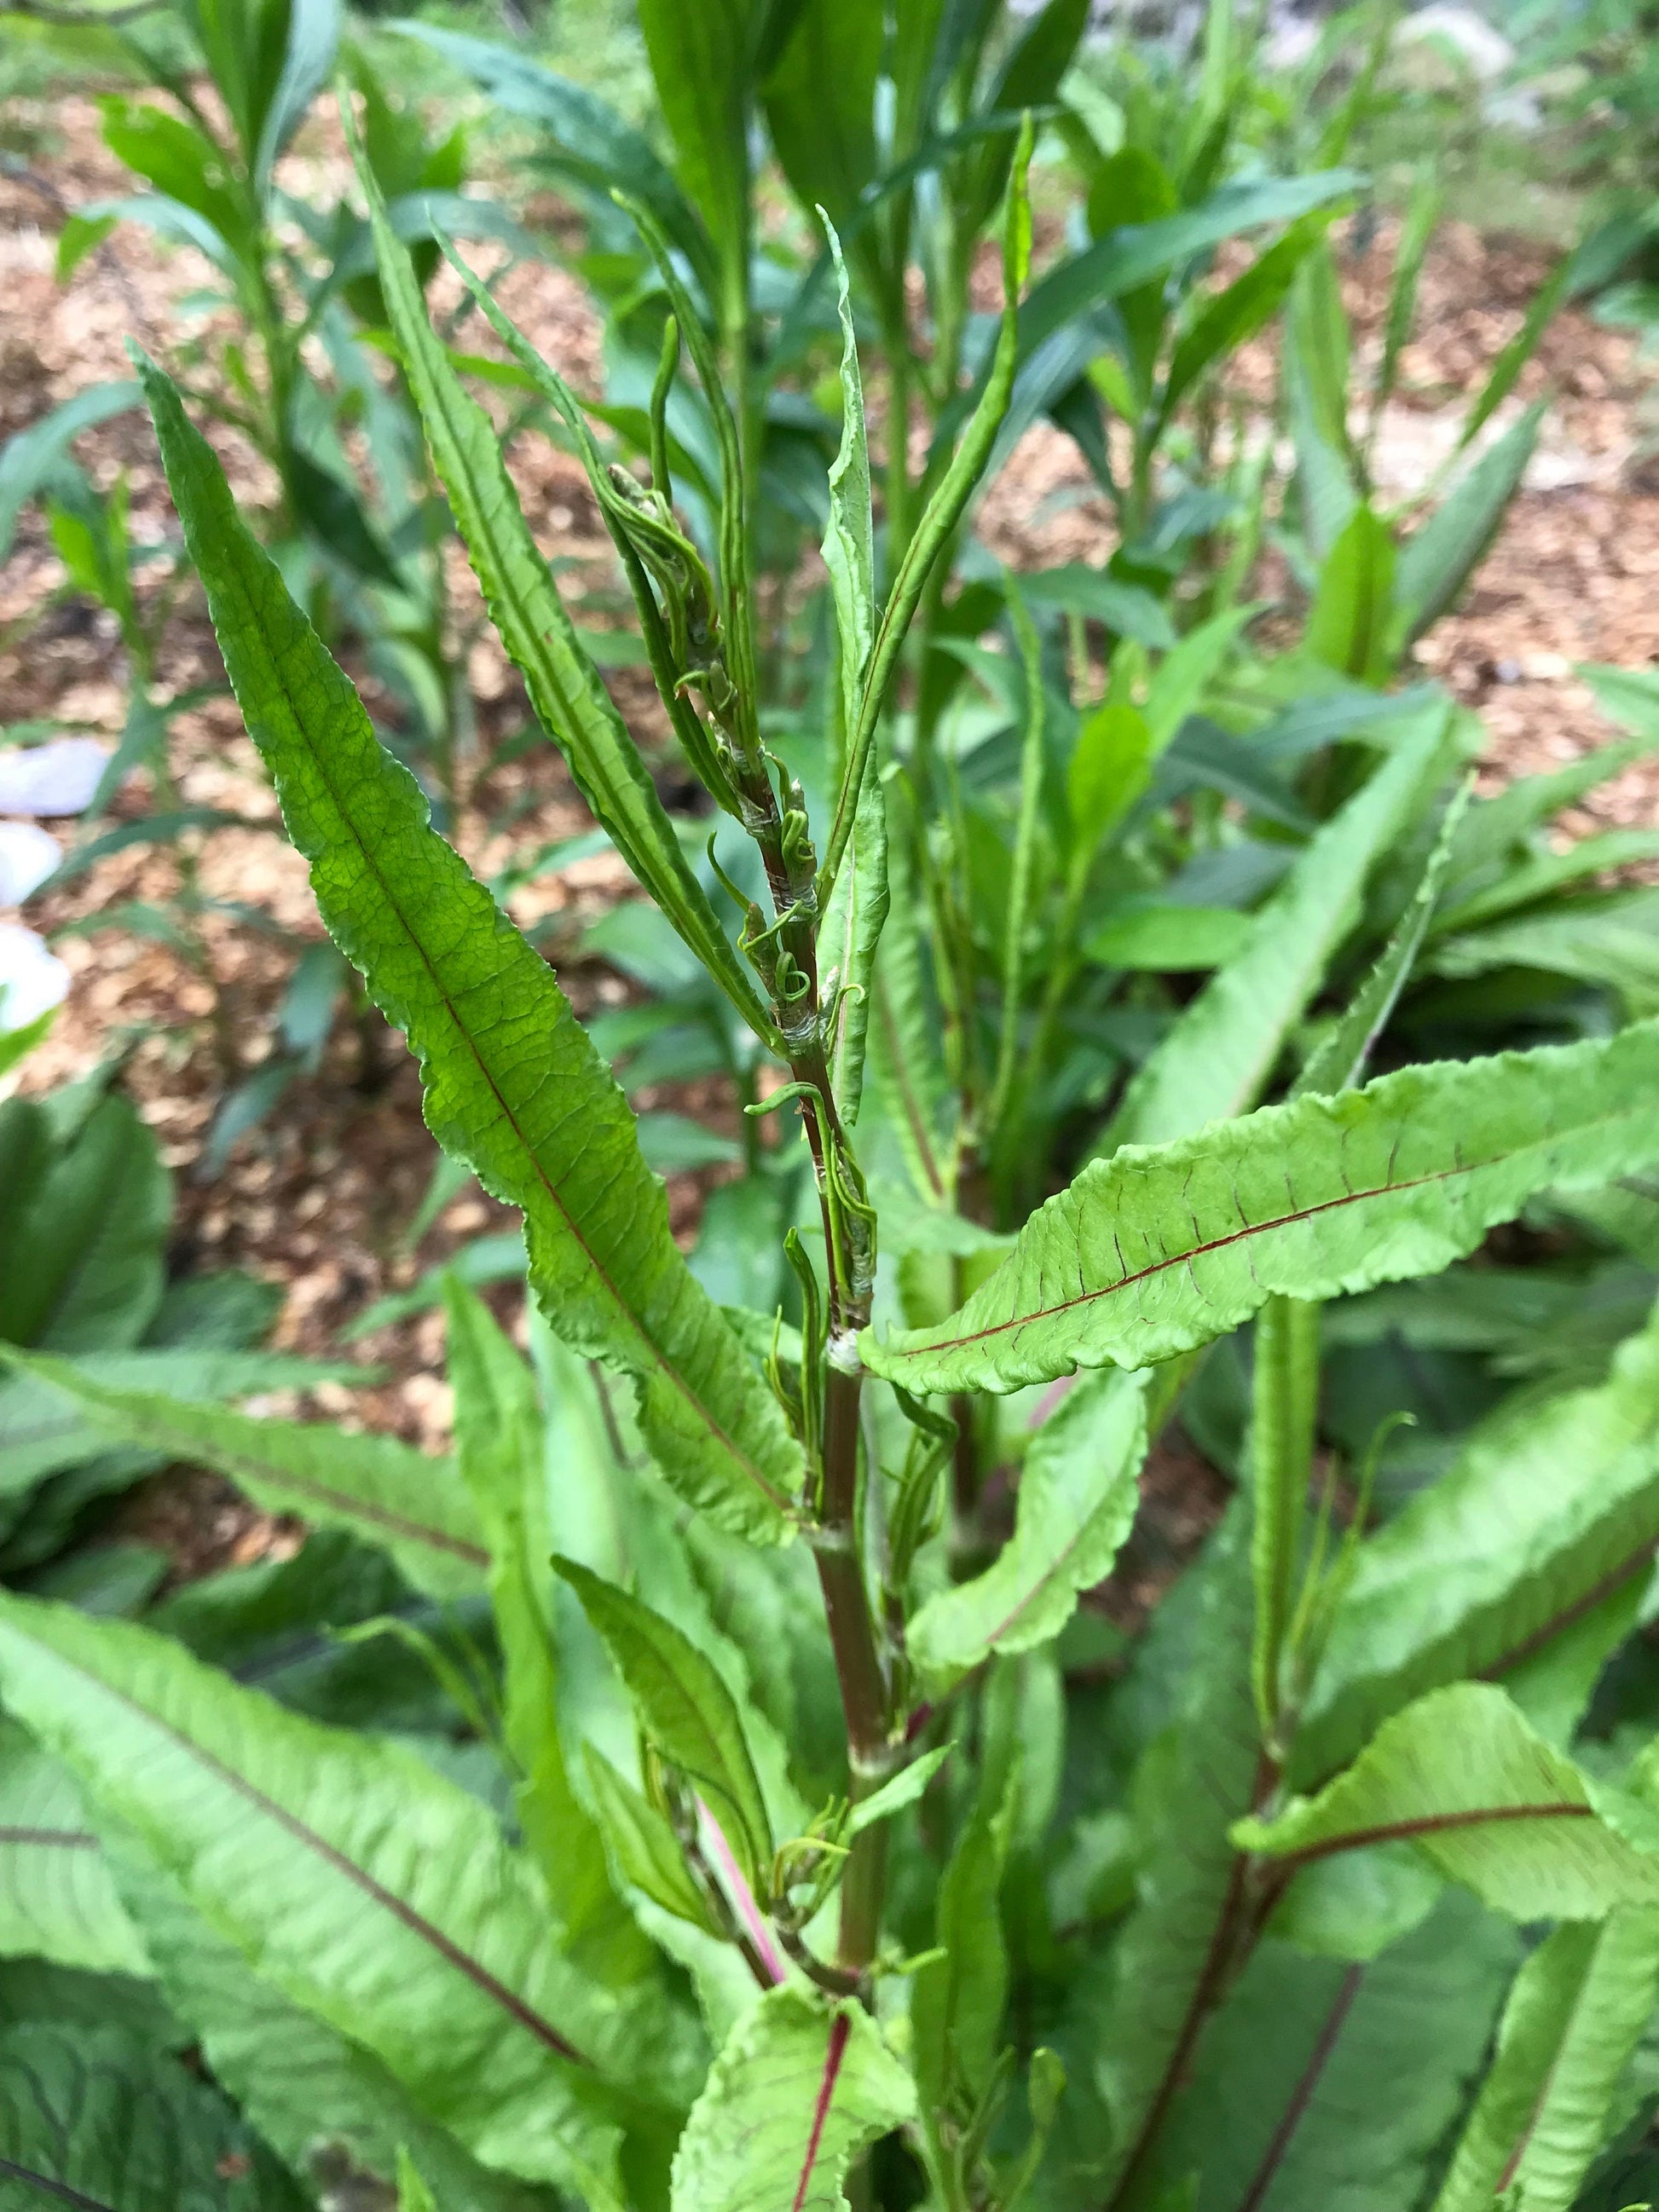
[372,1892]
[512,1083]
[56,1900]
[1154,1252]
[799,2089]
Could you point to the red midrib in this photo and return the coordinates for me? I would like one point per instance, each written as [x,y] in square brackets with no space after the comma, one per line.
[1219,1244]
[451,1952]
[1435,1824]
[840,2030]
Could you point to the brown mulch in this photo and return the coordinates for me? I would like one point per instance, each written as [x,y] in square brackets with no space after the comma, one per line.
[318,1198]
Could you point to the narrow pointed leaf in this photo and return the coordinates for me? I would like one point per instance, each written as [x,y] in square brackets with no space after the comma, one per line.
[1461,1775]
[1221,1050]
[1578,2006]
[1545,1509]
[413,2194]
[371,1892]
[381,1489]
[643,1848]
[797,2091]
[703,64]
[684,1707]
[1154,1252]
[565,689]
[1077,1500]
[1436,563]
[512,1084]
[1285,1404]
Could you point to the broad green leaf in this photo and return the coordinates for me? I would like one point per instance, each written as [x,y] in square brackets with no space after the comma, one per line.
[1438,559]
[380,1489]
[1194,1781]
[1283,1410]
[1218,1058]
[1170,939]
[1183,676]
[96,2119]
[684,1707]
[820,102]
[1350,625]
[370,1892]
[56,1900]
[316,2097]
[182,163]
[702,63]
[797,2091]
[84,1261]
[1544,2110]
[1155,1252]
[565,689]
[1461,1775]
[498,1451]
[1077,1500]
[521,1094]
[1108,769]
[1546,1506]
[1321,2086]
[1610,942]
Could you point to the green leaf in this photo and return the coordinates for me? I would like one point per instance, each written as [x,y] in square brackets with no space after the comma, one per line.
[1544,2110]
[33,457]
[56,1900]
[413,2194]
[1185,675]
[685,1709]
[1609,942]
[294,1843]
[1236,315]
[500,1447]
[1153,1253]
[848,543]
[1218,1058]
[1340,1058]
[1350,625]
[565,689]
[1285,1404]
[94,2118]
[380,1489]
[905,1787]
[1545,873]
[820,102]
[512,1086]
[1461,1775]
[703,64]
[906,1065]
[796,2092]
[314,37]
[1110,766]
[1438,560]
[318,2098]
[643,1848]
[1545,1506]
[957,2000]
[848,935]
[182,163]
[1077,1500]
[84,1233]
[1170,939]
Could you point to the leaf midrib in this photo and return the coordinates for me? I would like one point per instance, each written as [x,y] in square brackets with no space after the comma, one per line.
[1240,1236]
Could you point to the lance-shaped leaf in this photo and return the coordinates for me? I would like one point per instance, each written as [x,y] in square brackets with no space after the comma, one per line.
[512,1084]
[797,2091]
[95,2119]
[56,1900]
[565,689]
[371,1892]
[906,1064]
[702,63]
[852,924]
[1218,1056]
[1439,561]
[413,2194]
[1154,1252]
[1577,2010]
[820,101]
[1285,1404]
[1077,1500]
[684,1707]
[960,1993]
[316,2098]
[411,1504]
[1547,1509]
[1461,1775]
[500,1448]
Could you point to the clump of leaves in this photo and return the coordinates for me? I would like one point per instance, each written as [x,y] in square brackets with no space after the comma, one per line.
[806,1852]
